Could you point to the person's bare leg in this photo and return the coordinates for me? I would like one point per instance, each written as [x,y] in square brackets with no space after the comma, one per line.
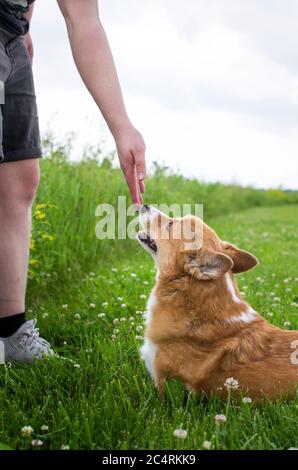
[19,339]
[18,183]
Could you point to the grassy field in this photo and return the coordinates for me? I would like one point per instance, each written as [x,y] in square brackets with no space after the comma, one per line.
[88,297]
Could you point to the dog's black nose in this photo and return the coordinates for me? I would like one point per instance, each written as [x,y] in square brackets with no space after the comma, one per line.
[145,208]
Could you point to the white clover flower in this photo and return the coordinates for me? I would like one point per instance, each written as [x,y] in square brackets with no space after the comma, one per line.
[120,299]
[123,305]
[65,343]
[65,306]
[65,447]
[180,433]
[26,431]
[133,275]
[77,316]
[143,296]
[44,428]
[101,315]
[231,384]
[77,366]
[105,304]
[122,319]
[286,281]
[288,289]
[140,338]
[287,323]
[45,315]
[270,314]
[139,312]
[207,445]
[220,419]
[91,274]
[116,331]
[115,321]
[92,305]
[36,443]
[276,299]
[246,400]
[146,283]
[294,304]
[259,294]
[131,318]
[139,328]
[114,270]
[88,350]
[113,337]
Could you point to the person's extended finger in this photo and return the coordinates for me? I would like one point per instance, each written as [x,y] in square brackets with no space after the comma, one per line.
[138,186]
[142,186]
[129,171]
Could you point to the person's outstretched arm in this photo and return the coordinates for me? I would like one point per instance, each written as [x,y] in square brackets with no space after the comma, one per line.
[94,60]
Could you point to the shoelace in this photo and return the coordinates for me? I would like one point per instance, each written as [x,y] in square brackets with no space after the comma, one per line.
[31,340]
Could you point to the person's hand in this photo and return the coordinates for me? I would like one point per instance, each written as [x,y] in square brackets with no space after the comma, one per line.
[131,152]
[29,45]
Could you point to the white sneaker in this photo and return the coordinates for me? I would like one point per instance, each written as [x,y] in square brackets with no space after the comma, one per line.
[25,345]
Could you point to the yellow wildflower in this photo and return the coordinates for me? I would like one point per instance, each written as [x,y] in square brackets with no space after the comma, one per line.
[41,206]
[47,236]
[39,215]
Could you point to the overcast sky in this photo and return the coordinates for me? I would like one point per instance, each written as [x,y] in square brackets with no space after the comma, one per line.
[212,85]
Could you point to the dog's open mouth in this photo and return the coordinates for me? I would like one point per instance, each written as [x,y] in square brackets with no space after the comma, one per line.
[147,241]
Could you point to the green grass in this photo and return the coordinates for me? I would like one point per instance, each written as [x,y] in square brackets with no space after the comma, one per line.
[109,402]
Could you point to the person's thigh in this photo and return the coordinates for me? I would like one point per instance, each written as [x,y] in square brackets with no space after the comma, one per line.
[21,138]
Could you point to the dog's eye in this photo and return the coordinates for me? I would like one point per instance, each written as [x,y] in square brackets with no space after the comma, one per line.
[169,225]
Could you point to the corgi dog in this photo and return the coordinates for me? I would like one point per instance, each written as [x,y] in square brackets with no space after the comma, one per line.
[198,328]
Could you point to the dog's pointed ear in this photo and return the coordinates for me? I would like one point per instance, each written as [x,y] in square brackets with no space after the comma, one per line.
[207,266]
[243,260]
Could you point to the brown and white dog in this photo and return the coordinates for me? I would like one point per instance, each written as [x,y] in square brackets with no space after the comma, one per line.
[199,329]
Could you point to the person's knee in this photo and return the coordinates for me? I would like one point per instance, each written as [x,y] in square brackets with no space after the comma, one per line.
[28,187]
[18,183]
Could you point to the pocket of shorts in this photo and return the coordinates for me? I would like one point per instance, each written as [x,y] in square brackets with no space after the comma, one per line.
[17,50]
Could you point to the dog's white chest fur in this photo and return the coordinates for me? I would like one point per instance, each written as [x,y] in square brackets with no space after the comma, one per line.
[149,349]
